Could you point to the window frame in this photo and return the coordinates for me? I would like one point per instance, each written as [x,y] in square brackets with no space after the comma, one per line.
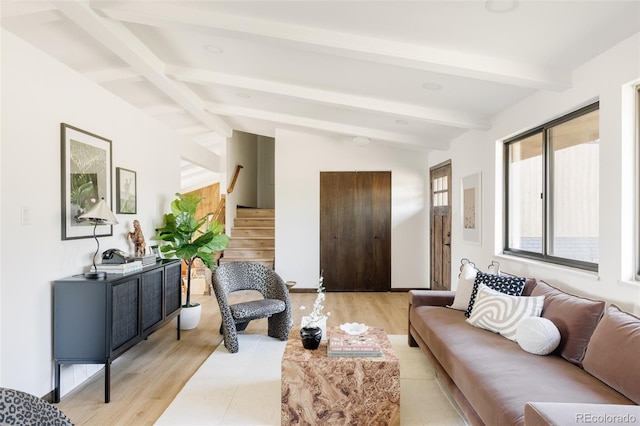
[637,180]
[547,195]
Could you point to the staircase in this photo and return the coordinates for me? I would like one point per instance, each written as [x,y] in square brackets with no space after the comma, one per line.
[252,237]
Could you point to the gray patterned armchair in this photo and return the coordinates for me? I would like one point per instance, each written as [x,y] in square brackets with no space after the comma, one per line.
[275,306]
[22,408]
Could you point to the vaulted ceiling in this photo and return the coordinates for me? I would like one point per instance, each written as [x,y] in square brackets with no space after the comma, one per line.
[415,74]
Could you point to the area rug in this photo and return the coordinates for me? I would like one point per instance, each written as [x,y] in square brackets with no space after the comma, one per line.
[244,388]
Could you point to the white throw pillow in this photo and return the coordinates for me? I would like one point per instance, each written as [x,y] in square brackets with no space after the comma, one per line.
[538,336]
[465,286]
[501,313]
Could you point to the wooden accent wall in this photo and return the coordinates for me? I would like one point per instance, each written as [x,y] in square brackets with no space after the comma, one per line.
[210,198]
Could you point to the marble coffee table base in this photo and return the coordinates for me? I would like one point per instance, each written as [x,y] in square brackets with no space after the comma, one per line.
[317,389]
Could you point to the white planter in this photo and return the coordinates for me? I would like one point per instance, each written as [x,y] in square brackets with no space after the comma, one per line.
[322,324]
[190,317]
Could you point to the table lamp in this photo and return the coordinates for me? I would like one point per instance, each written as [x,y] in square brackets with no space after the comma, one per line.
[99,214]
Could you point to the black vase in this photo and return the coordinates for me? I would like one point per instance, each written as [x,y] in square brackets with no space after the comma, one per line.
[311,337]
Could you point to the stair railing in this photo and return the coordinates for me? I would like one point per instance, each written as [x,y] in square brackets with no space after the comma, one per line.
[235,178]
[219,212]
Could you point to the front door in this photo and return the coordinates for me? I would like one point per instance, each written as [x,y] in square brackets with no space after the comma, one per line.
[440,177]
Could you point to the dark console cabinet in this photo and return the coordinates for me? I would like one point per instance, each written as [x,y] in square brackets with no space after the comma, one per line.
[95,321]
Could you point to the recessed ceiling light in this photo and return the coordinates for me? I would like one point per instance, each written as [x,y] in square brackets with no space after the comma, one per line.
[242,95]
[500,6]
[361,141]
[402,122]
[213,49]
[432,86]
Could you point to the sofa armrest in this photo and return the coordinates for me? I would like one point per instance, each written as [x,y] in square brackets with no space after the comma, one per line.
[431,297]
[558,413]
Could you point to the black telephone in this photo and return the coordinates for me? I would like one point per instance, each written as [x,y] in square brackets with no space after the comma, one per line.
[116,256]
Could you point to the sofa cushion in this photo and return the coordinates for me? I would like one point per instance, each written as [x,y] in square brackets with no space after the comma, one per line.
[537,336]
[558,413]
[501,313]
[605,359]
[495,375]
[465,286]
[575,317]
[507,284]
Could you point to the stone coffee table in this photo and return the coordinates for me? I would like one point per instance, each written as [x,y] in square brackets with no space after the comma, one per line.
[318,389]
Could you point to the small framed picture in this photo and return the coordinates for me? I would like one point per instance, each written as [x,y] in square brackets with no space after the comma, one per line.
[126,197]
[471,208]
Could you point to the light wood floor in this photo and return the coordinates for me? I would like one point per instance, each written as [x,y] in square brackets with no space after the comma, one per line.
[146,379]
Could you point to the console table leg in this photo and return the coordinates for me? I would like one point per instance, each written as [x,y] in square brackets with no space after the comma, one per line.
[107,381]
[178,327]
[56,390]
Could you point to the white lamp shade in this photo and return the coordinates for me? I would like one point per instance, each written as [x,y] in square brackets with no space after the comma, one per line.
[99,214]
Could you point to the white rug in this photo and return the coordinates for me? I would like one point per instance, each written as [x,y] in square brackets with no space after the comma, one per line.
[244,388]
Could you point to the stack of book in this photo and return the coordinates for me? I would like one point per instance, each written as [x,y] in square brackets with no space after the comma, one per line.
[120,268]
[149,259]
[347,345]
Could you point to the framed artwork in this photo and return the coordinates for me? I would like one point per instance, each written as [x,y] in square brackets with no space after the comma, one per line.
[126,195]
[85,179]
[471,208]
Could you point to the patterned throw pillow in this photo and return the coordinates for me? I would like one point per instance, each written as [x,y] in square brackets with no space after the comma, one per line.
[507,284]
[502,314]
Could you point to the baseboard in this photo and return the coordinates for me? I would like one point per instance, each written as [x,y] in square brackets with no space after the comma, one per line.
[48,397]
[393,290]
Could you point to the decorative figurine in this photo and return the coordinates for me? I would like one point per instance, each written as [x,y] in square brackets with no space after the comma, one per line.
[138,240]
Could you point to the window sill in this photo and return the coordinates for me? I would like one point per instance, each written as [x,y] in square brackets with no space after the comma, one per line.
[591,275]
[629,283]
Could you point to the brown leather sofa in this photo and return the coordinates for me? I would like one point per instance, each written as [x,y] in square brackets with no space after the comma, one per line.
[495,382]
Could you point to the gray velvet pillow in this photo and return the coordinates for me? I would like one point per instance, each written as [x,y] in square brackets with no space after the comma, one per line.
[613,351]
[575,317]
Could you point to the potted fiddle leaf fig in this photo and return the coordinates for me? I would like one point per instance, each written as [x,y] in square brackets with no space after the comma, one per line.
[189,238]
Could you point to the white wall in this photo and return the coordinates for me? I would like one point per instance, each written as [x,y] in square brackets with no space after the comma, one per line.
[241,150]
[609,78]
[38,94]
[266,172]
[300,157]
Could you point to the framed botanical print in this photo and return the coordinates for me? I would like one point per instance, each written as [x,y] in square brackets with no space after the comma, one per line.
[85,179]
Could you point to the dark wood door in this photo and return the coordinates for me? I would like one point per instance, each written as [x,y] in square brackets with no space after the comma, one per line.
[355,230]
[440,177]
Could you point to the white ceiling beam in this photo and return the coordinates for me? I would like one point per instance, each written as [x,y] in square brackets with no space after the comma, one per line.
[117,38]
[202,157]
[328,126]
[11,9]
[109,75]
[373,49]
[355,102]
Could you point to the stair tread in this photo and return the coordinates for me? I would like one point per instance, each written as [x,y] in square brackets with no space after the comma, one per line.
[242,228]
[253,237]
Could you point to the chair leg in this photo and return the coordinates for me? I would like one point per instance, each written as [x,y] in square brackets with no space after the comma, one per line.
[279,326]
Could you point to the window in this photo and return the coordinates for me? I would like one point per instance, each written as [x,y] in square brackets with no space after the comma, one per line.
[552,191]
[440,189]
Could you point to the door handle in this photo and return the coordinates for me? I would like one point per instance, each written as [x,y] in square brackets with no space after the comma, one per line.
[447,244]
